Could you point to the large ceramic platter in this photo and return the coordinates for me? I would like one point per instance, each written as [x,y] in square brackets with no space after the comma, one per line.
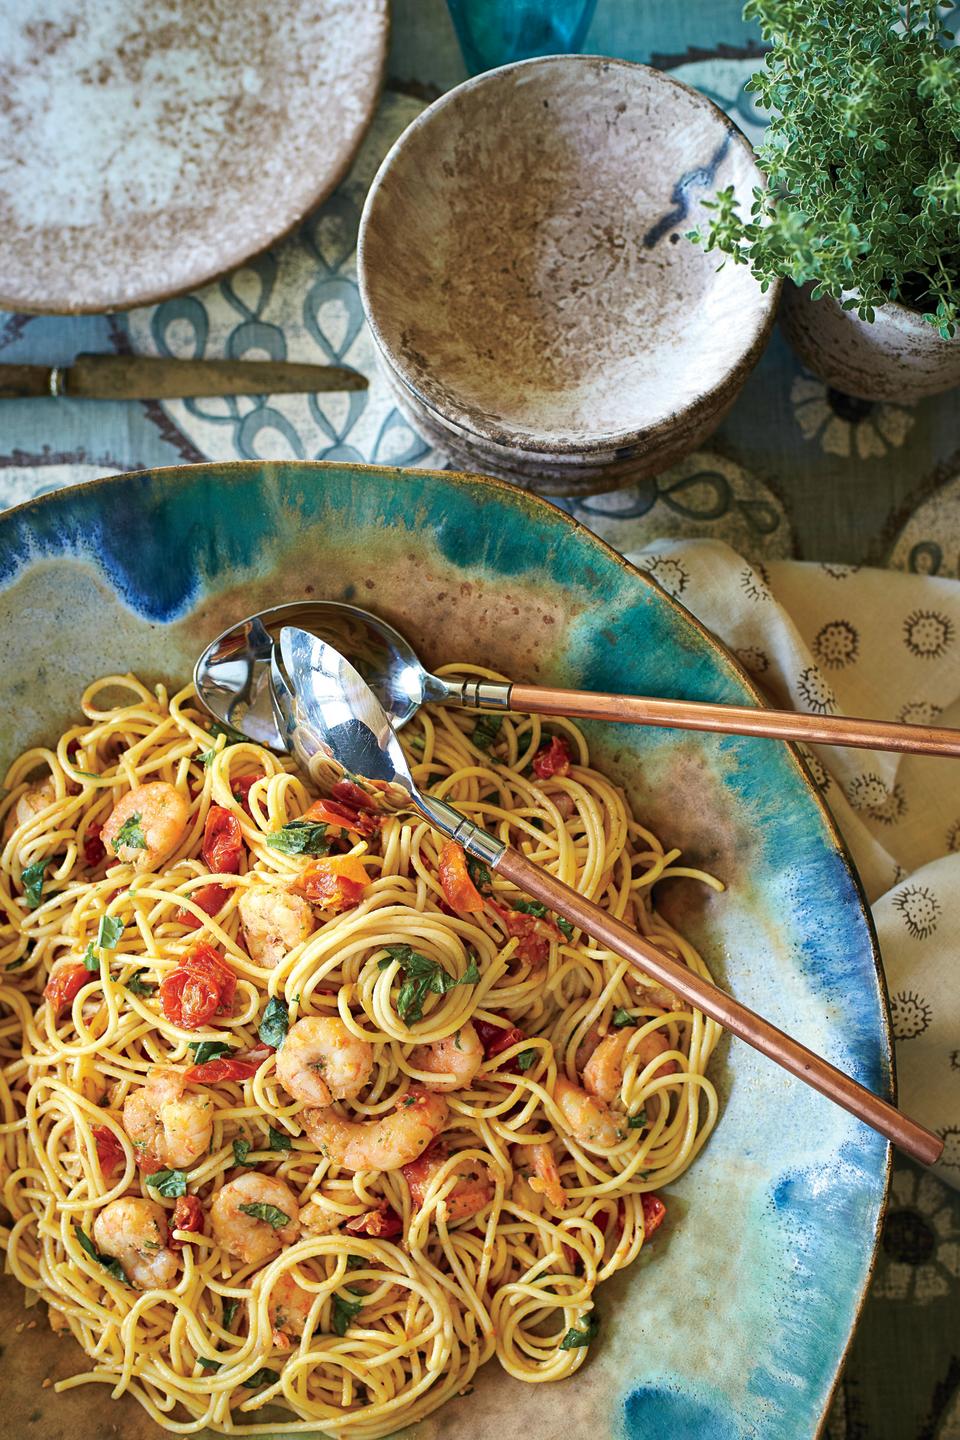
[145,148]
[735,1323]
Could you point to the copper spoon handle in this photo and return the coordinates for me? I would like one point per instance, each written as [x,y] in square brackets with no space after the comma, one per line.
[912,1138]
[735,720]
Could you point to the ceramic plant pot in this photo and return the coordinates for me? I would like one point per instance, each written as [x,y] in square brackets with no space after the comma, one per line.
[897,357]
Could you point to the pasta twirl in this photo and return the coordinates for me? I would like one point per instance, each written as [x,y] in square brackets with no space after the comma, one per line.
[297,1109]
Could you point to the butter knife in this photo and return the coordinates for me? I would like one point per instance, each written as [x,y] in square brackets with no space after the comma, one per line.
[144,377]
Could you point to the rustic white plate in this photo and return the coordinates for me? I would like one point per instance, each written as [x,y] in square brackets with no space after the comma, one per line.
[145,148]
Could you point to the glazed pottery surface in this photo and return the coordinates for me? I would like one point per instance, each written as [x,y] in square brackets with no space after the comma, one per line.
[734,1322]
[524,267]
[899,356]
[223,123]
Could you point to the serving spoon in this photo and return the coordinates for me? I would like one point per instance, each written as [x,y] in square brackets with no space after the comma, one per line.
[334,725]
[232,680]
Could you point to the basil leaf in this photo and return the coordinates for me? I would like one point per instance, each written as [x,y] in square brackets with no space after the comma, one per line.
[91,960]
[356,1262]
[422,977]
[300,837]
[486,731]
[581,1334]
[109,932]
[233,737]
[480,875]
[564,926]
[136,986]
[131,834]
[87,774]
[622,1018]
[410,1000]
[274,1217]
[241,1149]
[470,976]
[275,1023]
[526,1058]
[638,1121]
[32,881]
[204,1050]
[112,1267]
[530,907]
[263,1376]
[279,1139]
[15,964]
[343,1312]
[208,1364]
[169,1183]
[229,1311]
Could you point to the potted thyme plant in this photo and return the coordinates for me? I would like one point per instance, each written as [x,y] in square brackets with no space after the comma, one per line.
[861,211]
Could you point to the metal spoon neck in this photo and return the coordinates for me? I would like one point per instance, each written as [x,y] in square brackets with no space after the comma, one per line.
[476,842]
[471,694]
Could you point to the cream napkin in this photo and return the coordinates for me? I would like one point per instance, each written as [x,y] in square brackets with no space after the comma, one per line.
[845,640]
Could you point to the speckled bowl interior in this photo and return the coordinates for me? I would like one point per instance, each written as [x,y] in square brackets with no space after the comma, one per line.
[734,1322]
[524,266]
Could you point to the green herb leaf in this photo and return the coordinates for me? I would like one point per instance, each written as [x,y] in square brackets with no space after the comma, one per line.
[263,1376]
[638,1121]
[112,1267]
[530,907]
[480,875]
[275,1023]
[279,1139]
[356,1262]
[622,1018]
[241,1149]
[300,837]
[233,737]
[423,977]
[208,1364]
[564,926]
[131,834]
[526,1058]
[204,1050]
[32,881]
[111,928]
[136,986]
[169,1183]
[22,960]
[270,1213]
[91,960]
[230,1308]
[87,774]
[486,731]
[581,1334]
[343,1311]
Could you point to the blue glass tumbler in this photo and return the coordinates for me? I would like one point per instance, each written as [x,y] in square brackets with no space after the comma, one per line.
[494,32]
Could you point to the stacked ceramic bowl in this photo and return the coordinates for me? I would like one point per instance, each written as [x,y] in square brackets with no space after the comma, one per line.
[524,266]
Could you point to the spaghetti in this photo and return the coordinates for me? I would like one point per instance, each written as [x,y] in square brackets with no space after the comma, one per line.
[300,1111]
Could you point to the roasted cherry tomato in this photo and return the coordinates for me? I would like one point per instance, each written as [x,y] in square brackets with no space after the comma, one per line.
[653,1212]
[240,788]
[187,1215]
[224,1068]
[94,849]
[458,889]
[346,817]
[383,1223]
[336,882]
[496,1038]
[350,794]
[210,898]
[222,841]
[203,986]
[110,1152]
[65,985]
[148,1166]
[553,759]
[534,932]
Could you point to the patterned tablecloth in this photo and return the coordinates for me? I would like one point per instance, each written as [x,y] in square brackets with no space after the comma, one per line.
[797,471]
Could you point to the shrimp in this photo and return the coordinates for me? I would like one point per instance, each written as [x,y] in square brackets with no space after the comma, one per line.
[274,923]
[134,1231]
[254,1216]
[321,1060]
[451,1062]
[603,1072]
[164,1124]
[588,1119]
[546,1177]
[33,800]
[289,1309]
[386,1144]
[146,825]
[472,1192]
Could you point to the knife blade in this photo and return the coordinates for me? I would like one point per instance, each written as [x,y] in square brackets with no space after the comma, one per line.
[149,377]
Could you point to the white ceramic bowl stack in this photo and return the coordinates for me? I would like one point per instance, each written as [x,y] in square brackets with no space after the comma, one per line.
[525,270]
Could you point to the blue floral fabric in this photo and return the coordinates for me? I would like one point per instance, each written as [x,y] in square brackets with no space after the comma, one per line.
[797,471]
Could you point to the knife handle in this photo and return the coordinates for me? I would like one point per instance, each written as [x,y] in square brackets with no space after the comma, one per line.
[20,380]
